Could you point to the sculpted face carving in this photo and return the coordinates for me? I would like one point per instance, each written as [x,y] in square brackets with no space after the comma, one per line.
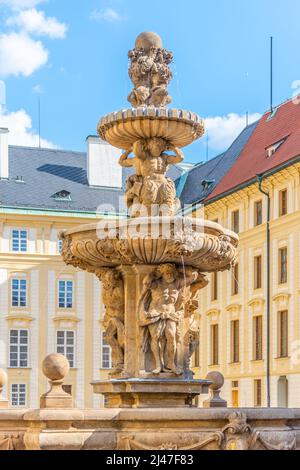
[113,299]
[149,191]
[162,310]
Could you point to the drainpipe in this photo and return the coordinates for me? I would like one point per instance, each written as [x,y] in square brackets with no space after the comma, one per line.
[260,179]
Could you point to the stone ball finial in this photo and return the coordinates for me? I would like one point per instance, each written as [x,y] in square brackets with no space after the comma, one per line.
[3,378]
[147,40]
[56,367]
[217,380]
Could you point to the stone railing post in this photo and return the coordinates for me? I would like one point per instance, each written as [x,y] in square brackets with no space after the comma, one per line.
[55,368]
[215,401]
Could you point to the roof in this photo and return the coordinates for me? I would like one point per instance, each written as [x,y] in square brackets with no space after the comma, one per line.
[283,124]
[189,186]
[47,172]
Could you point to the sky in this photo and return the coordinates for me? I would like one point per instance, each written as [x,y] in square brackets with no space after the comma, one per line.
[72,55]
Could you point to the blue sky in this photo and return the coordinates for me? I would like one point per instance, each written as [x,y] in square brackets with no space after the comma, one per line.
[74,54]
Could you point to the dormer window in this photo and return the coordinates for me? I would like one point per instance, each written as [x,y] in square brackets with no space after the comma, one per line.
[207,184]
[273,148]
[62,196]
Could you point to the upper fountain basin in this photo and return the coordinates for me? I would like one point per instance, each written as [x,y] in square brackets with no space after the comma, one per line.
[199,243]
[123,128]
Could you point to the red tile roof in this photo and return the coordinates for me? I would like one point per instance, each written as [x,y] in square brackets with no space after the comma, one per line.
[253,160]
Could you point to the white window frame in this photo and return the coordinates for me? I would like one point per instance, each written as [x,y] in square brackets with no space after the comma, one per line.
[64,348]
[19,242]
[105,351]
[65,305]
[18,394]
[18,292]
[19,346]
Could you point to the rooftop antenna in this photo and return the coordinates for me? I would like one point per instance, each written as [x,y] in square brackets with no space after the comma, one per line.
[271,74]
[39,117]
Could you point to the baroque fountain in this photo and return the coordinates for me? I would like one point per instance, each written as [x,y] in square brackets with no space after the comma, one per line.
[153,264]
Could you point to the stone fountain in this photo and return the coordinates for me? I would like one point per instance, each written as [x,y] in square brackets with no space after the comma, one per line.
[153,264]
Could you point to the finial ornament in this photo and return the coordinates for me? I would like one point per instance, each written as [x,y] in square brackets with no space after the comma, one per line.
[150,72]
[56,367]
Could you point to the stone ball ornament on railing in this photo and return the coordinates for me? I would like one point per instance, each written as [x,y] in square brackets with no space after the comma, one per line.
[3,383]
[56,367]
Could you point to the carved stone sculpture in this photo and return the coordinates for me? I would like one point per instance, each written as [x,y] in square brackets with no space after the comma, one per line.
[149,72]
[113,299]
[149,191]
[162,308]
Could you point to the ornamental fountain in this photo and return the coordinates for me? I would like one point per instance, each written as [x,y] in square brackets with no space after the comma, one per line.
[152,267]
[153,264]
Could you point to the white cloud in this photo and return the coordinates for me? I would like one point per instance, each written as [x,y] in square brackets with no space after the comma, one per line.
[36,22]
[108,14]
[223,130]
[21,55]
[21,4]
[19,124]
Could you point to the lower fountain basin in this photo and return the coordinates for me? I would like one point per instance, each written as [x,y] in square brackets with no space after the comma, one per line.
[194,242]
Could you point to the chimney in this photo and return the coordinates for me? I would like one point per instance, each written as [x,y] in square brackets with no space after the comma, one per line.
[4,172]
[103,168]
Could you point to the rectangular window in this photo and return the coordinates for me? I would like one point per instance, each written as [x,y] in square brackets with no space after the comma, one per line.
[19,241]
[257,393]
[18,348]
[257,213]
[283,334]
[60,246]
[106,359]
[65,294]
[197,356]
[235,341]
[214,287]
[283,266]
[236,221]
[18,395]
[257,272]
[235,280]
[283,208]
[257,330]
[214,344]
[65,341]
[19,293]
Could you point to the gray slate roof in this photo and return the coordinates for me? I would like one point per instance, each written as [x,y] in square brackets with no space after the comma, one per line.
[46,172]
[189,187]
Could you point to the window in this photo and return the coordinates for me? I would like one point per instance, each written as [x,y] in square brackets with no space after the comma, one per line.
[197,356]
[18,348]
[106,360]
[60,246]
[283,202]
[273,148]
[19,293]
[235,280]
[235,394]
[62,196]
[257,213]
[257,393]
[66,345]
[65,294]
[214,287]
[236,221]
[19,241]
[235,341]
[283,266]
[257,272]
[257,330]
[283,334]
[18,395]
[214,344]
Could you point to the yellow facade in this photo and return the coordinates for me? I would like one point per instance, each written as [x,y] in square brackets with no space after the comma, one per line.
[243,372]
[43,268]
